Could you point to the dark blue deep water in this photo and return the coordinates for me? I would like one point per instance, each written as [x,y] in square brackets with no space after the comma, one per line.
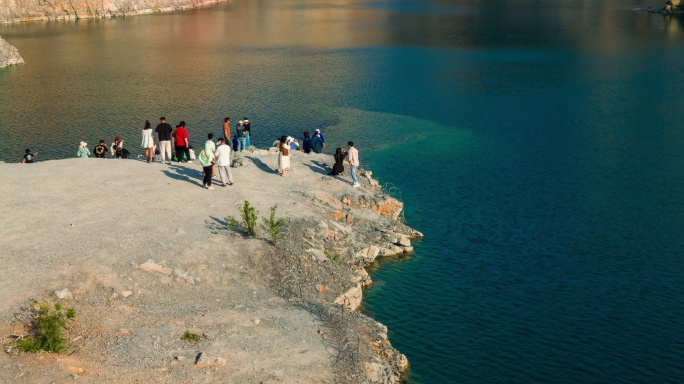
[538,145]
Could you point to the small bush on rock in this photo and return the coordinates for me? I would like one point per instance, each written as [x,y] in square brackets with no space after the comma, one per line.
[272,225]
[46,329]
[249,219]
[189,336]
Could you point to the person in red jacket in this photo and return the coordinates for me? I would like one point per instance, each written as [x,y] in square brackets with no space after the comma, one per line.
[180,139]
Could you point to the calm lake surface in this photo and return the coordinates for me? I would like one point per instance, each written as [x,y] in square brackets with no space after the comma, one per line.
[538,145]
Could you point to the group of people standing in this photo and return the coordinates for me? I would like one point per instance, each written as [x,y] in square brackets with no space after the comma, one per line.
[215,159]
[243,129]
[167,138]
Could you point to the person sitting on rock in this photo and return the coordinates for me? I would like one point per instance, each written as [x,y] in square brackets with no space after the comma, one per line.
[101,149]
[294,144]
[157,156]
[28,156]
[339,157]
[116,145]
[306,142]
[83,150]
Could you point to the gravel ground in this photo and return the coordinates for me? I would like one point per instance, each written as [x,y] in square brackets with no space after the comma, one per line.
[145,252]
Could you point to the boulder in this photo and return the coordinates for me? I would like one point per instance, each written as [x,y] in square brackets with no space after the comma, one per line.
[204,361]
[151,266]
[352,298]
[8,54]
[64,294]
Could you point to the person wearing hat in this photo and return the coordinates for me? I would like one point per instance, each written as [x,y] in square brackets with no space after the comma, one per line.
[116,145]
[248,131]
[317,142]
[83,150]
[240,131]
[321,135]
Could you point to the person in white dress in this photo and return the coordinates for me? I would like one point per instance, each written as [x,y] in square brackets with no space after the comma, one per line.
[284,156]
[148,141]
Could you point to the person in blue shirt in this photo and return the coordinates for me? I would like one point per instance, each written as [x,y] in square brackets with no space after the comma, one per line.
[306,142]
[322,138]
[317,142]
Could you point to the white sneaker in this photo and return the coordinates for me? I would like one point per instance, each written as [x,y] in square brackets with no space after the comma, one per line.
[189,161]
[356,185]
[210,187]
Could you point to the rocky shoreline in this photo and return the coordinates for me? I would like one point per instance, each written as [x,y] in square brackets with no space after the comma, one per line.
[13,12]
[9,55]
[266,314]
[671,7]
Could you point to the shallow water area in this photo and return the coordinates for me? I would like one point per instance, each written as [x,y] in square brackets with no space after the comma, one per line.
[537,146]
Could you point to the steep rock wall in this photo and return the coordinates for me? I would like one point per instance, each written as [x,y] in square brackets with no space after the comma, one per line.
[26,10]
[8,54]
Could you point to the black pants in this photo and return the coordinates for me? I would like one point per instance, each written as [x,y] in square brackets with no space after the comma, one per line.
[179,154]
[207,175]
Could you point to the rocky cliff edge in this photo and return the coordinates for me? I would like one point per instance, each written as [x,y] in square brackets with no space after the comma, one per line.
[142,253]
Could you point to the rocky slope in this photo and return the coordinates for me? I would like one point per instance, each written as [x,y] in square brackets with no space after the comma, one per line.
[8,54]
[24,10]
[143,255]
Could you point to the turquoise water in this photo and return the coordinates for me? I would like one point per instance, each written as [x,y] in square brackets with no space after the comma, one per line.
[538,147]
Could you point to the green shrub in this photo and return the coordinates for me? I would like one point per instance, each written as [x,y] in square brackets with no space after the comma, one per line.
[189,336]
[47,330]
[272,225]
[249,219]
[333,256]
[70,313]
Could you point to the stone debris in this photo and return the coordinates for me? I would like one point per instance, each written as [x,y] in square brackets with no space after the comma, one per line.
[352,298]
[64,294]
[184,275]
[203,361]
[151,266]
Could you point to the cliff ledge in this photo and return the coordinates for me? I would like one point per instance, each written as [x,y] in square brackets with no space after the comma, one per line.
[142,253]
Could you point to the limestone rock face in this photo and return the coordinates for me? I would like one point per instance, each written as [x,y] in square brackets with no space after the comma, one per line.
[25,10]
[8,54]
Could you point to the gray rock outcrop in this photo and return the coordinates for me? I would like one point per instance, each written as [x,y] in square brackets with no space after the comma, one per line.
[8,54]
[23,10]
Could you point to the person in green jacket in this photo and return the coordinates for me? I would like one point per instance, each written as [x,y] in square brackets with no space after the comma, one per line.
[206,159]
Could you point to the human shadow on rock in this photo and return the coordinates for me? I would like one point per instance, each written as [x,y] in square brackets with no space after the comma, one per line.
[319,167]
[217,225]
[190,175]
[261,165]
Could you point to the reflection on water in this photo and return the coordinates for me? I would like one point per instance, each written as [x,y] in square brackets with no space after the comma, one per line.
[536,144]
[92,79]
